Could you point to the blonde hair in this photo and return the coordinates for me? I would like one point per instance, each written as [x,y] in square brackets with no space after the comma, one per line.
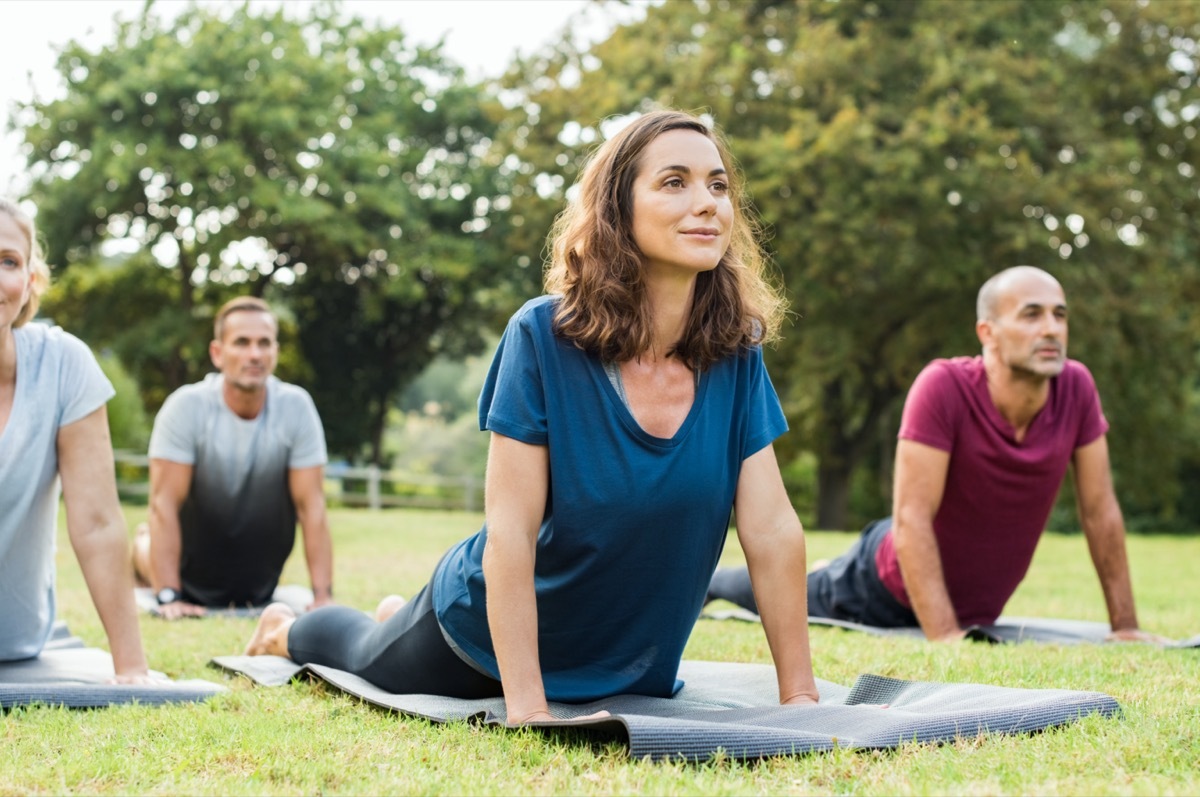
[597,267]
[35,261]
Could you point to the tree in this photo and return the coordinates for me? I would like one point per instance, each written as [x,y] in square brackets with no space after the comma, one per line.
[320,161]
[901,152]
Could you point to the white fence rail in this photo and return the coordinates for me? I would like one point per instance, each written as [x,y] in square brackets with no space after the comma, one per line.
[372,487]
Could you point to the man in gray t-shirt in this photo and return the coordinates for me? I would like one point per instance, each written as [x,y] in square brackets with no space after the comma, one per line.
[235,461]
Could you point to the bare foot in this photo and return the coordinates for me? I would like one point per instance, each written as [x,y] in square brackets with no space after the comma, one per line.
[270,637]
[389,606]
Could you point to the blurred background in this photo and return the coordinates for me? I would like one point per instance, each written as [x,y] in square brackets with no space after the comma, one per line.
[386,173]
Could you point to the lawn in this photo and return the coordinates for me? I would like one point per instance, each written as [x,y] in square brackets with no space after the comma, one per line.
[302,739]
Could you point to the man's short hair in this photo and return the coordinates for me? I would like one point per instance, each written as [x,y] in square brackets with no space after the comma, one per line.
[241,303]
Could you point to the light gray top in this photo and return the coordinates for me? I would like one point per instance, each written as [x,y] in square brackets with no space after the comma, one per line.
[195,426]
[238,522]
[58,382]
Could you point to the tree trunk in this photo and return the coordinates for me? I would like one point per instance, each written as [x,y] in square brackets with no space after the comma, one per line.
[833,494]
[887,455]
[378,425]
[845,446]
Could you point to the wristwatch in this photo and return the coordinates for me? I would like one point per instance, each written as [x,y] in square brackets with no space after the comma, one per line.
[167,595]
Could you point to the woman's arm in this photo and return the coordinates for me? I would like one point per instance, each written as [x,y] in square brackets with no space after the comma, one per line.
[773,541]
[99,537]
[517,484]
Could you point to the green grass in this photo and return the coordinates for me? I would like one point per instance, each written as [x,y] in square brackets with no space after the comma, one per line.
[302,739]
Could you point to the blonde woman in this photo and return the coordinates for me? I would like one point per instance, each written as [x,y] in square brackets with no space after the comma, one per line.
[53,427]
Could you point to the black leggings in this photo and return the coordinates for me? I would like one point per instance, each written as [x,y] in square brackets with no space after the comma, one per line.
[405,654]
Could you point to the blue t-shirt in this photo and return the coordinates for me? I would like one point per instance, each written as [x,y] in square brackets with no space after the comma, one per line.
[634,524]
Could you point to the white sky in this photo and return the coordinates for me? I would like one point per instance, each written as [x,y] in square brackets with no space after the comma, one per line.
[481,35]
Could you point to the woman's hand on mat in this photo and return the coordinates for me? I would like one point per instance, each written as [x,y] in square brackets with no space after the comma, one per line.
[173,611]
[804,699]
[546,716]
[142,677]
[1135,635]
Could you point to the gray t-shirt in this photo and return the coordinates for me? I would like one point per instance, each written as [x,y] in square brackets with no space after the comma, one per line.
[238,522]
[58,383]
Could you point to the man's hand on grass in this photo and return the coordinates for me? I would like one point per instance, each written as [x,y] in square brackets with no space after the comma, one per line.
[1136,635]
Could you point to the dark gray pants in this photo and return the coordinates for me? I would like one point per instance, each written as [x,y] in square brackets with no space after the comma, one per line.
[848,588]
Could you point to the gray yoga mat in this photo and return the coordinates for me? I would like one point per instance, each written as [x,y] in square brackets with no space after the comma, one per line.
[1005,630]
[735,708]
[68,673]
[294,595]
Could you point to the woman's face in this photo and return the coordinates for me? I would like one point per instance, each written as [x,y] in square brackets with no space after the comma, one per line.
[16,278]
[682,211]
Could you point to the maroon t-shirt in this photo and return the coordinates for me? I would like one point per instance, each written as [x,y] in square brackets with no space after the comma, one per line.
[998,492]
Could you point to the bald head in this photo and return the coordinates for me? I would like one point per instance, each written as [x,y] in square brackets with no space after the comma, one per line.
[987,305]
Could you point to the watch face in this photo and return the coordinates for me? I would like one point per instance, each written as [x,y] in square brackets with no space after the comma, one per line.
[167,595]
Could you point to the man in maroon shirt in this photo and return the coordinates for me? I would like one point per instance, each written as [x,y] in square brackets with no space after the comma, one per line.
[984,444]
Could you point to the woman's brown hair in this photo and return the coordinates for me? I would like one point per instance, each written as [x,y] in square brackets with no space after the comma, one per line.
[596,266]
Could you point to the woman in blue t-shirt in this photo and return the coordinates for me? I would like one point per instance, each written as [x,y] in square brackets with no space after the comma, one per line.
[629,413]
[53,429]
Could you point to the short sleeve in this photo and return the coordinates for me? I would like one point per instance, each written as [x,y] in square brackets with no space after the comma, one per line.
[927,417]
[764,412]
[173,437]
[83,385]
[513,400]
[1092,423]
[308,442]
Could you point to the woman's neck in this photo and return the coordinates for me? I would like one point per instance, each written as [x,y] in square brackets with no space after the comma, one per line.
[670,306]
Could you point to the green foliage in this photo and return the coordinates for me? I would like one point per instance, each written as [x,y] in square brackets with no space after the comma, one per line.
[306,739]
[901,153]
[127,421]
[321,160]
[449,387]
[431,445]
[127,307]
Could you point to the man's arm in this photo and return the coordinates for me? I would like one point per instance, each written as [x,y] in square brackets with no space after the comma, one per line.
[1100,516]
[773,541]
[920,481]
[170,483]
[97,530]
[307,487]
